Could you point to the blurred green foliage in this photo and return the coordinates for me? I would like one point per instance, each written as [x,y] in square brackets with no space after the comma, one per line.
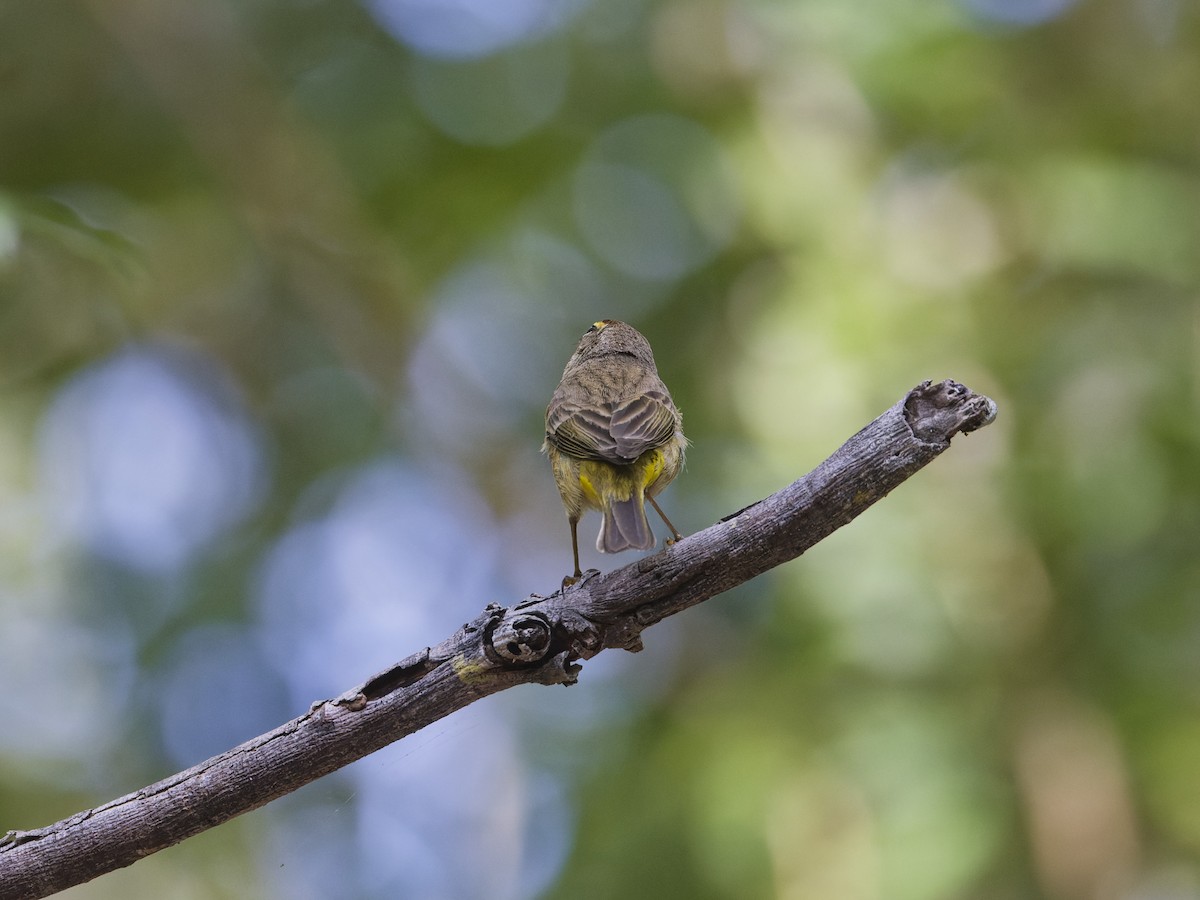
[340,242]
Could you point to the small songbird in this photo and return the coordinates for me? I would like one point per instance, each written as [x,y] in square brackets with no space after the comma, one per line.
[614,437]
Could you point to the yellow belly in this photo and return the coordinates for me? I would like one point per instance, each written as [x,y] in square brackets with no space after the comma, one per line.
[590,484]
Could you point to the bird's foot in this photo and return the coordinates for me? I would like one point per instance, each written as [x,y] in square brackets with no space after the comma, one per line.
[579,578]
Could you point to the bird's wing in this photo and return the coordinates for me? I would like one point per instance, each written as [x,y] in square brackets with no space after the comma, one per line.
[618,434]
[643,423]
[580,431]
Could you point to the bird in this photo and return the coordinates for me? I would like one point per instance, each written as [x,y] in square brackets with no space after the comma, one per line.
[614,438]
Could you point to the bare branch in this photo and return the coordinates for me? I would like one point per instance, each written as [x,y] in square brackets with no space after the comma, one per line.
[538,640]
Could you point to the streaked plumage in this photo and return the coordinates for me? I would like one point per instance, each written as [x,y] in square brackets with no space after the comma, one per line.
[614,436]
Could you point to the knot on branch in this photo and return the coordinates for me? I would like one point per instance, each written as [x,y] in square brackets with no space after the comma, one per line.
[937,412]
[519,638]
[526,638]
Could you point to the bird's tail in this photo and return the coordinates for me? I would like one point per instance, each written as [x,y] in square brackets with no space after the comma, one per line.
[625,526]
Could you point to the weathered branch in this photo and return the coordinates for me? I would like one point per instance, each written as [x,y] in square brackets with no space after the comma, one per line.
[538,640]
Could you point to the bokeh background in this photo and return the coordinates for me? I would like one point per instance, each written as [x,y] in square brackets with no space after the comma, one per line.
[285,287]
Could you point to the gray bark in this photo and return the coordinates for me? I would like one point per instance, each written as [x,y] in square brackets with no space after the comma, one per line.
[536,640]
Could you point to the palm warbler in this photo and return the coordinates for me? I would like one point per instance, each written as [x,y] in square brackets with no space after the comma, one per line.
[614,437]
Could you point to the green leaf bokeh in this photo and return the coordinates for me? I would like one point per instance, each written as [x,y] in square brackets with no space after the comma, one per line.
[274,263]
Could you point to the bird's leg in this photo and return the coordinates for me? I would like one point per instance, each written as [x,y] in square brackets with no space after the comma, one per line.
[571,579]
[575,547]
[675,535]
